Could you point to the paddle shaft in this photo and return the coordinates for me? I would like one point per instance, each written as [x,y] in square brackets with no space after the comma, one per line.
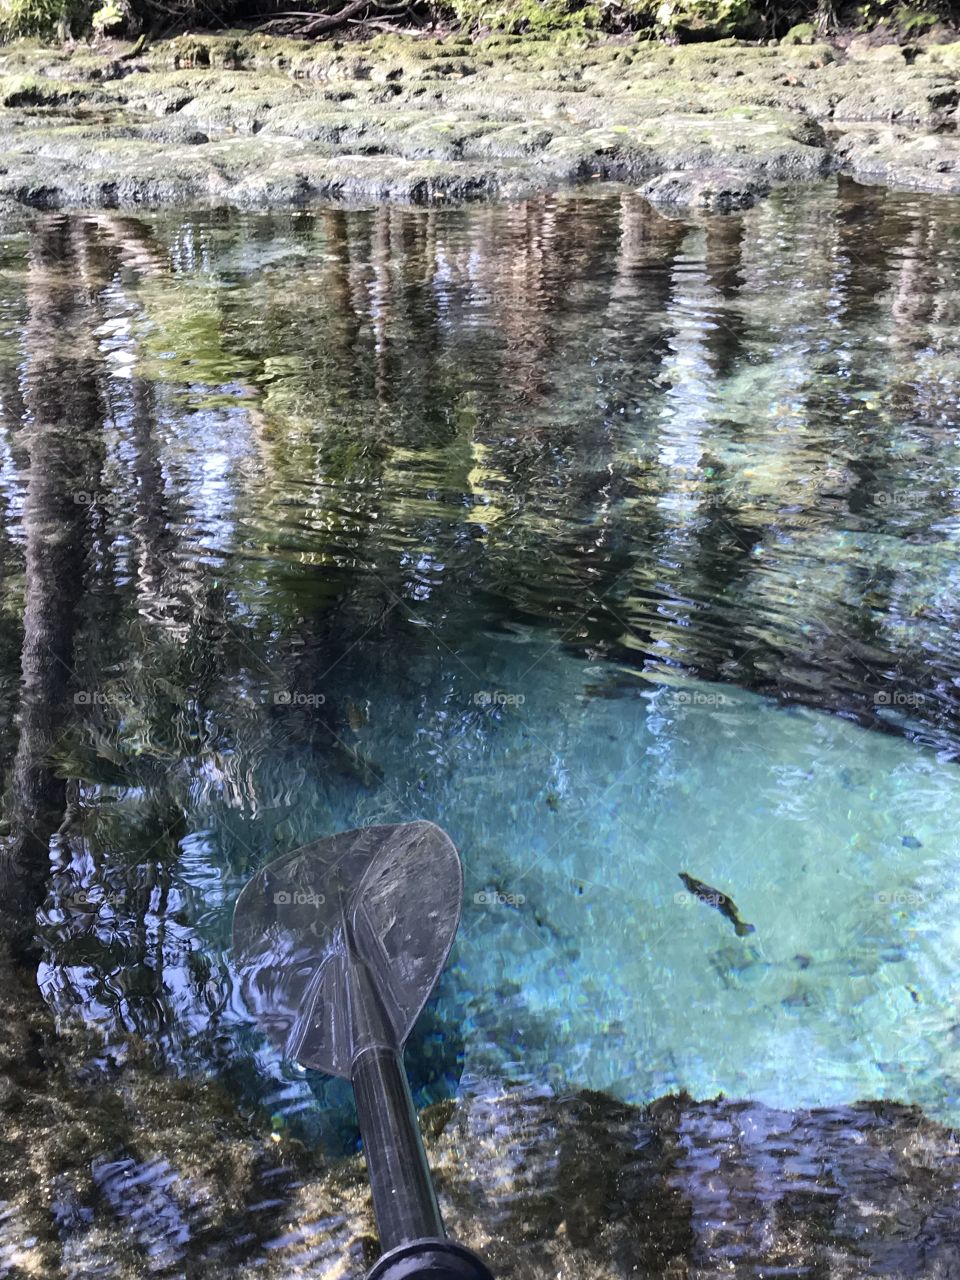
[404,1201]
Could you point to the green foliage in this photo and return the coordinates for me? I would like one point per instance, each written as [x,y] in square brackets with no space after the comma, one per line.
[870,13]
[906,20]
[37,17]
[675,20]
[795,21]
[110,17]
[538,17]
[913,22]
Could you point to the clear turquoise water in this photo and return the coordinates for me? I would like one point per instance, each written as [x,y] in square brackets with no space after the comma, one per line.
[619,547]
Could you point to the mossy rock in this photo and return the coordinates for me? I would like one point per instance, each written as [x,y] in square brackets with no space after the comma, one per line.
[947,55]
[802,33]
[808,131]
[696,20]
[533,17]
[190,53]
[37,91]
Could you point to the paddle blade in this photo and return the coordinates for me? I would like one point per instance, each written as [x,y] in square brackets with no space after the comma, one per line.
[340,943]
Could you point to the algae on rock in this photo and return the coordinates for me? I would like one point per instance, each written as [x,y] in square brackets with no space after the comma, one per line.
[254,120]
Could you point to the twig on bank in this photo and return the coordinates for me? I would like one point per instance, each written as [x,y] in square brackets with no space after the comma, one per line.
[317,23]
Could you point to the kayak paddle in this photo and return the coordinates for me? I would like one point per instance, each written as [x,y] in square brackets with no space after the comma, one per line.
[339,945]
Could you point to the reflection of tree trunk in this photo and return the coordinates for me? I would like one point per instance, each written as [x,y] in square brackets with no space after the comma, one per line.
[63,407]
[524,284]
[150,526]
[723,252]
[345,323]
[135,247]
[381,311]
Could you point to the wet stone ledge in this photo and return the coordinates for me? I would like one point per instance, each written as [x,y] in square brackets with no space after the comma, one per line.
[587,1187]
[117,1170]
[113,1165]
[251,121]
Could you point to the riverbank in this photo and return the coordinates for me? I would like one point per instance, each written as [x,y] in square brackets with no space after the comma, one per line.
[253,121]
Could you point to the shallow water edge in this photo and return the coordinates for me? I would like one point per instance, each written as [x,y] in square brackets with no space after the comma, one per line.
[113,1168]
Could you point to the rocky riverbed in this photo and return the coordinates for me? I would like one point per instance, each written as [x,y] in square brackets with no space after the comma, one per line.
[110,1166]
[121,1172]
[253,121]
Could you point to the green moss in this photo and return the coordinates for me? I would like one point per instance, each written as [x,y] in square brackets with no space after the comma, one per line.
[555,107]
[534,16]
[946,54]
[802,33]
[36,91]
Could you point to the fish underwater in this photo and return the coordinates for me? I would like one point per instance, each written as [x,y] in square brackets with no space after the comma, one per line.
[714,898]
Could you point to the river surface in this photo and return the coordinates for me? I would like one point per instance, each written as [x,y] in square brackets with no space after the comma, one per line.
[619,546]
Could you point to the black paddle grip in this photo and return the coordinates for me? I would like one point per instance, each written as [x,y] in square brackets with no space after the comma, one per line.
[404,1202]
[430,1260]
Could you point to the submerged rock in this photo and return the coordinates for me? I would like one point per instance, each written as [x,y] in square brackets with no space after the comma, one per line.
[116,1168]
[712,190]
[586,1186]
[893,156]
